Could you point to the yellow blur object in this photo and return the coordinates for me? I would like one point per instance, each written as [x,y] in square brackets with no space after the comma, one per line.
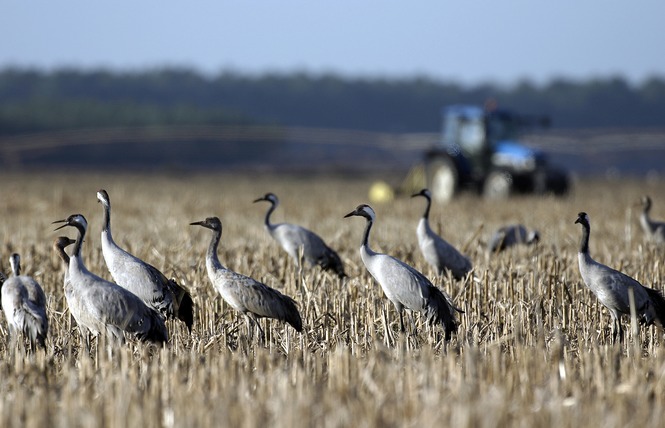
[415,180]
[380,192]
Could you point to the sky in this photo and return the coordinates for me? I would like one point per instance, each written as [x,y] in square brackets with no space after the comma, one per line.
[468,41]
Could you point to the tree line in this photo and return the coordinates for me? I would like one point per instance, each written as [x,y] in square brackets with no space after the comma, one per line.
[35,100]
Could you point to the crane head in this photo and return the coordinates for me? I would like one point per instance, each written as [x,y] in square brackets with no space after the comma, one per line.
[213,223]
[103,198]
[425,193]
[62,242]
[75,220]
[583,219]
[15,263]
[270,197]
[363,210]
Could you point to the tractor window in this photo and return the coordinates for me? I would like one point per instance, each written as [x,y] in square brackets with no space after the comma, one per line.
[472,135]
[501,128]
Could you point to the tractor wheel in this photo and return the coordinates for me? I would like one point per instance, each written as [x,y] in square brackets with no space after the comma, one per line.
[498,185]
[443,179]
[558,182]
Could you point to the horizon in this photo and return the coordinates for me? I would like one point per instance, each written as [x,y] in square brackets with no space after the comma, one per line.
[527,42]
[325,74]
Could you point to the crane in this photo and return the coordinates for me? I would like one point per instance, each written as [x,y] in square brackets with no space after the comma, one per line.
[146,281]
[251,298]
[24,305]
[293,238]
[403,285]
[611,287]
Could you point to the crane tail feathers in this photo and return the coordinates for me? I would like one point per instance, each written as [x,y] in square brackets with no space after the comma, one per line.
[332,262]
[291,314]
[35,325]
[185,303]
[440,310]
[186,311]
[157,332]
[658,302]
[295,321]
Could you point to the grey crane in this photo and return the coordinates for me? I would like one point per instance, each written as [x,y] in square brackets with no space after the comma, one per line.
[514,234]
[611,287]
[72,294]
[654,230]
[246,295]
[59,245]
[293,238]
[102,307]
[403,285]
[164,295]
[24,304]
[441,255]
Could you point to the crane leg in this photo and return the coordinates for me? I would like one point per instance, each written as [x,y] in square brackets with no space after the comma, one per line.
[11,339]
[614,332]
[620,331]
[250,319]
[85,337]
[617,330]
[414,326]
[250,329]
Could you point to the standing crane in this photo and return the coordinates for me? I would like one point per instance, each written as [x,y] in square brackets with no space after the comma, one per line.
[165,296]
[246,295]
[102,307]
[293,238]
[72,295]
[403,285]
[24,305]
[612,287]
[654,230]
[441,255]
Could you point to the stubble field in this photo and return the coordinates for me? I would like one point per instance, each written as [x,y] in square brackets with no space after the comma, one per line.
[533,347]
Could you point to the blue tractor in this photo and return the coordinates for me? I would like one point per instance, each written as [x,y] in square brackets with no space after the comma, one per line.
[480,150]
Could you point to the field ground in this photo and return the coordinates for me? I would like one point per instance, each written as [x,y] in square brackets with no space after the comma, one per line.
[533,347]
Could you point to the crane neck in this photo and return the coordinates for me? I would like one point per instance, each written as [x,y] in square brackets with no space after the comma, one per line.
[106,225]
[272,208]
[427,207]
[645,220]
[62,254]
[584,242]
[365,241]
[211,255]
[79,241]
[646,207]
[15,263]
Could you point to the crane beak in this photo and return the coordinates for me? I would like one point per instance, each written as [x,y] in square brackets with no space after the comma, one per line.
[423,192]
[60,221]
[259,200]
[351,214]
[197,223]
